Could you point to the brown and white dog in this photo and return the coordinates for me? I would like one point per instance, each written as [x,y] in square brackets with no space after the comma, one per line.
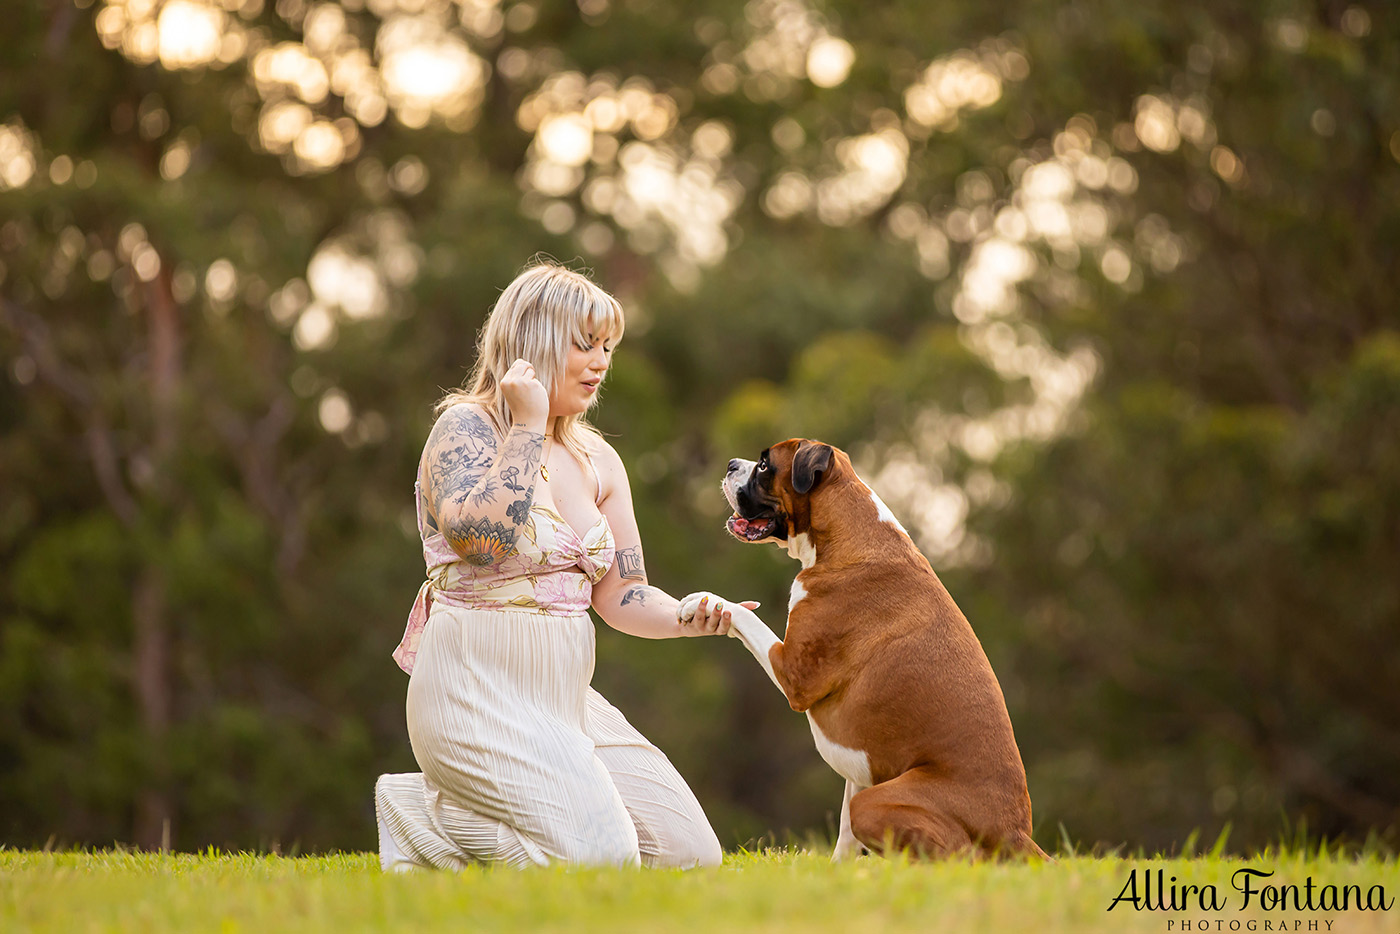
[899,694]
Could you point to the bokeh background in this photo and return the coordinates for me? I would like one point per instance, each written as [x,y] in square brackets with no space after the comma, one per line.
[1099,294]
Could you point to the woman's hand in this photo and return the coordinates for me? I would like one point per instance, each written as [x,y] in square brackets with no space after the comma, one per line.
[526,396]
[712,616]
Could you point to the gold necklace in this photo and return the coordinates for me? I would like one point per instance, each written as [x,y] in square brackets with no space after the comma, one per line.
[544,460]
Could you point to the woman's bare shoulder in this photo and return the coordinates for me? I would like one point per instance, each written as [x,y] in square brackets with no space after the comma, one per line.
[604,454]
[464,409]
[608,463]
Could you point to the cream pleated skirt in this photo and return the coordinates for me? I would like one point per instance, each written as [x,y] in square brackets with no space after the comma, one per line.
[522,762]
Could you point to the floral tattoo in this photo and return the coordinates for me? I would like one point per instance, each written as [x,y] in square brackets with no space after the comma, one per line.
[481,542]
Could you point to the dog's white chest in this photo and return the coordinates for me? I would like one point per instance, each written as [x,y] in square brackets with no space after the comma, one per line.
[851,764]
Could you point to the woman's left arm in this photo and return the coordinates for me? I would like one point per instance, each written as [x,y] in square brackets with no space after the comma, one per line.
[623,597]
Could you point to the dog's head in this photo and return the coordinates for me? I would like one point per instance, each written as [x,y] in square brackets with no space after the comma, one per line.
[772,496]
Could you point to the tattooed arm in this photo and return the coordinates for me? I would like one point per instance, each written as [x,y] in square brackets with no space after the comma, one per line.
[623,598]
[479,487]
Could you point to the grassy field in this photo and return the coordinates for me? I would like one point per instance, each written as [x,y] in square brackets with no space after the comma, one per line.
[777,890]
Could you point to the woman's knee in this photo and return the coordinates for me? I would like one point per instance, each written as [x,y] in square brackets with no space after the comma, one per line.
[694,848]
[710,853]
[600,835]
[614,851]
[703,854]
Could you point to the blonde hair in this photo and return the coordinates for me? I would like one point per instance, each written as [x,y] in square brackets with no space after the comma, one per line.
[540,315]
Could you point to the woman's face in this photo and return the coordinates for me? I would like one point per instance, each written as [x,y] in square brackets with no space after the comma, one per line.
[583,371]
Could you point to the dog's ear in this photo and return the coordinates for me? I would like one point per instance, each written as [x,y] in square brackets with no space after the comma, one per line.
[813,460]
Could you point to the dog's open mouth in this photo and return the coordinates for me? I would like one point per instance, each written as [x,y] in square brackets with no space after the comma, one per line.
[752,530]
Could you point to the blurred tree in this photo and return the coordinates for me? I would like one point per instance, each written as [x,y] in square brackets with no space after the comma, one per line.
[1182,563]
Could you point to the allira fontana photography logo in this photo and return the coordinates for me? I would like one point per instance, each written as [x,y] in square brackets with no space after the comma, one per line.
[1275,904]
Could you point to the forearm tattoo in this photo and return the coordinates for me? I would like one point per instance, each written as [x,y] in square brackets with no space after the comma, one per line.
[484,492]
[466,467]
[525,447]
[638,595]
[629,564]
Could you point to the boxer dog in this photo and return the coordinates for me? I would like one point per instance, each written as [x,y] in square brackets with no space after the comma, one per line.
[901,699]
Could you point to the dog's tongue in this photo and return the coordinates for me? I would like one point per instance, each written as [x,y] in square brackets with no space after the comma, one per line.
[741,524]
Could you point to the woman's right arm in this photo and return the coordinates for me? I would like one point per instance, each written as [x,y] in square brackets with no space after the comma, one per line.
[479,488]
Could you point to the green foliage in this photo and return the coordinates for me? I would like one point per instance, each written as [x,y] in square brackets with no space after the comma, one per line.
[1255,663]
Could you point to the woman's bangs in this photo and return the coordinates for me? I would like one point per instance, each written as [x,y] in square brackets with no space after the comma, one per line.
[602,319]
[606,320]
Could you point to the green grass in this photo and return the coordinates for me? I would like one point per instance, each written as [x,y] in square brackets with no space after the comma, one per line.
[776,890]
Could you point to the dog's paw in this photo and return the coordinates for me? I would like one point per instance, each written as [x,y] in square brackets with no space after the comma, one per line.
[690,605]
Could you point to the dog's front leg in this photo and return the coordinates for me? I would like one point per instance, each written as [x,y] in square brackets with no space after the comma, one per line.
[744,625]
[757,638]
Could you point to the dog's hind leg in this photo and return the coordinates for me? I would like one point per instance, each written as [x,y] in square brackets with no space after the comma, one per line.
[911,813]
[847,845]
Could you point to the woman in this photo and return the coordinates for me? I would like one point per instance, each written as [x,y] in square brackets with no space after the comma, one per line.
[526,519]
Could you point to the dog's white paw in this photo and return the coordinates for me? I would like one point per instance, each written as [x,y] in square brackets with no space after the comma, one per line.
[690,605]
